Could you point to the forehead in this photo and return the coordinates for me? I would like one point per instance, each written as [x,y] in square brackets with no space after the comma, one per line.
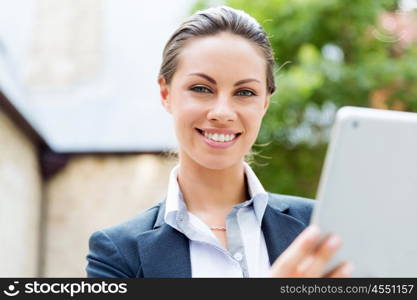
[222,55]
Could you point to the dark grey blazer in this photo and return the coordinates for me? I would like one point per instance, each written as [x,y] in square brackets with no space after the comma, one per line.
[145,246]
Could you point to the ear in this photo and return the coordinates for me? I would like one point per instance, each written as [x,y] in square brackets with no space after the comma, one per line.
[165,93]
[266,103]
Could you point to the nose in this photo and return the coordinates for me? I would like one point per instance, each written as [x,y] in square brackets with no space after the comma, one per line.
[222,110]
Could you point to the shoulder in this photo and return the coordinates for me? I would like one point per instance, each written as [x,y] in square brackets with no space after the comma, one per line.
[297,207]
[113,251]
[136,225]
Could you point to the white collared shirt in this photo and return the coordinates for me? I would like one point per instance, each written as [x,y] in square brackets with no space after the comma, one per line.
[246,256]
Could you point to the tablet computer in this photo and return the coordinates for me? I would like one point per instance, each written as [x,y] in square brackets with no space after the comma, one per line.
[368,191]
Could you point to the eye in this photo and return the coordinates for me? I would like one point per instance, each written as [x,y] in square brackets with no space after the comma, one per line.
[200,89]
[245,93]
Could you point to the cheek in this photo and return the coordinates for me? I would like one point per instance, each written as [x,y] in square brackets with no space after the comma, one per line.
[253,126]
[185,116]
[254,119]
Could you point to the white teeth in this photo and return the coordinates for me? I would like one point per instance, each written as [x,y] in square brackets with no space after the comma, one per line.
[219,137]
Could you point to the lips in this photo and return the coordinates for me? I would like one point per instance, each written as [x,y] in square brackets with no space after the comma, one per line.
[219,135]
[218,131]
[218,138]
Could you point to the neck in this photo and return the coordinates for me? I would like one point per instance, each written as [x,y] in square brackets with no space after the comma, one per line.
[212,190]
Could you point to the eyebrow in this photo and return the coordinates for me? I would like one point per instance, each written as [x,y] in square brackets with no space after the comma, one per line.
[208,78]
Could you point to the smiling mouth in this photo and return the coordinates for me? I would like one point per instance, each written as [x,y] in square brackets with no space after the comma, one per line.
[220,138]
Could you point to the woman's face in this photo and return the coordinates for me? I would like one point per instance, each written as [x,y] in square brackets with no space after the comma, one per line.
[217,98]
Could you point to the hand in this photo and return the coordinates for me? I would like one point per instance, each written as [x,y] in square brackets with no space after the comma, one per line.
[307,257]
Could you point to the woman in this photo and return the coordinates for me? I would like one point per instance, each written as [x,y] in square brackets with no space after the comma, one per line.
[216,81]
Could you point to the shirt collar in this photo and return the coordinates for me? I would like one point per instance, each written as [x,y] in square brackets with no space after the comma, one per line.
[257,192]
[255,186]
[174,200]
[174,193]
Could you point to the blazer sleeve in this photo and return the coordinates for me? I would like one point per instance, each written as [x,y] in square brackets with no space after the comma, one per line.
[105,259]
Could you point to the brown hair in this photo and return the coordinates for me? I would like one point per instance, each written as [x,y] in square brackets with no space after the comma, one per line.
[210,22]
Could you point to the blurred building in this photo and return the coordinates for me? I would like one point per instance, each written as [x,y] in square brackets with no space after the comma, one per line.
[83,137]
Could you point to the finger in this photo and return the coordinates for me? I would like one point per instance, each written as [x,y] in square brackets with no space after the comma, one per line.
[287,264]
[322,256]
[343,270]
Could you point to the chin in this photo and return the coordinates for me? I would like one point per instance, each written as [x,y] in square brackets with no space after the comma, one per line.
[217,163]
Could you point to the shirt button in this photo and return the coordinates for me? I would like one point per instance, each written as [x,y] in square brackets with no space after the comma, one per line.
[238,256]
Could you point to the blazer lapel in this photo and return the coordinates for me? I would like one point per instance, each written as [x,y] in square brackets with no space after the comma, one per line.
[164,251]
[279,230]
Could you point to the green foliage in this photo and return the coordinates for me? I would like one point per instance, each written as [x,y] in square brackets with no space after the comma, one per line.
[329,53]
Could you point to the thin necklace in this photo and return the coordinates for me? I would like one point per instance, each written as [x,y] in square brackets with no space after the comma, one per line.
[219,228]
